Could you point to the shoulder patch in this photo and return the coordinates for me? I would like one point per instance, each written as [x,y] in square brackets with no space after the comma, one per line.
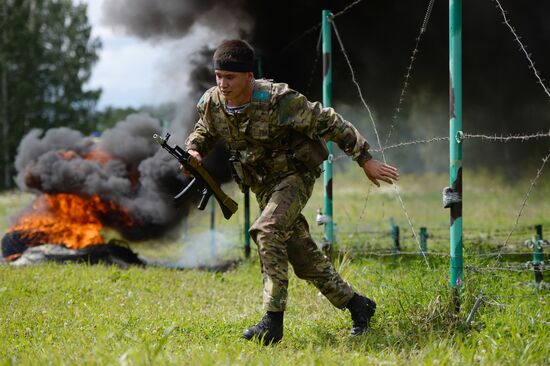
[262,96]
[201,101]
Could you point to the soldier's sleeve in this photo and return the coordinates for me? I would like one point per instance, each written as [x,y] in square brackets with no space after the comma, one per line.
[313,120]
[203,137]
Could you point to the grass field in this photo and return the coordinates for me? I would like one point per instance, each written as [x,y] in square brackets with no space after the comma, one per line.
[79,314]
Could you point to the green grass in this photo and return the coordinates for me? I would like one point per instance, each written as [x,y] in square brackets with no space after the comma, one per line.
[73,314]
[79,314]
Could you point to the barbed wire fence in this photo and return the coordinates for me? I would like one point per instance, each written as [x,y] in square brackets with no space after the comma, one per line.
[409,69]
[507,241]
[493,254]
[371,116]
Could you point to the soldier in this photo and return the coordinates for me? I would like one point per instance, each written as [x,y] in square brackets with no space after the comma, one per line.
[275,137]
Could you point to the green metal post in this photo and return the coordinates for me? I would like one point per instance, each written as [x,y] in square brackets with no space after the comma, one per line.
[424,240]
[455,147]
[537,254]
[327,102]
[395,238]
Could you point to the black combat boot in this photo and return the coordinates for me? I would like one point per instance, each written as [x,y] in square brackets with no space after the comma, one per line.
[268,330]
[362,309]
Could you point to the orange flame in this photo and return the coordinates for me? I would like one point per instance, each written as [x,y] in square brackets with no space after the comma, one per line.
[68,219]
[99,155]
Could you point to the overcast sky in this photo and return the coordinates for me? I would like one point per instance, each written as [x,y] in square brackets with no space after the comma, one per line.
[133,72]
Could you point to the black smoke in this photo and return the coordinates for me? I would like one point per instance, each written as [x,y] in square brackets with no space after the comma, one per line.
[138,175]
[500,92]
[158,19]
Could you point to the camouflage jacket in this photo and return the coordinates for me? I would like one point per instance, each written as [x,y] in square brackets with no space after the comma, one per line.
[260,136]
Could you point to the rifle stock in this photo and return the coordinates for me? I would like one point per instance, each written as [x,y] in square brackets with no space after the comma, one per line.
[202,180]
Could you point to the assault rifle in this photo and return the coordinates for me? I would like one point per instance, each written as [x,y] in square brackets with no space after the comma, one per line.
[202,180]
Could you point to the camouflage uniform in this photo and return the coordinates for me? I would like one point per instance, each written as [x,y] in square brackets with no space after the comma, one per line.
[260,137]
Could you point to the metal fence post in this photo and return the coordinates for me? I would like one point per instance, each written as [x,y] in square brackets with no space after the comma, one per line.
[327,102]
[537,254]
[395,235]
[424,240]
[455,148]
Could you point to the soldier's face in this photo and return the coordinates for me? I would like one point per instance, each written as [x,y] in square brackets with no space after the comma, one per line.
[234,86]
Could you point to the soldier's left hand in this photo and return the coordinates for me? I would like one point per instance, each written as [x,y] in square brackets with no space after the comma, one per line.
[377,170]
[196,155]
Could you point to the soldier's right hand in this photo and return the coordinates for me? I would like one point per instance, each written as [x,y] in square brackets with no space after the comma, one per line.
[196,155]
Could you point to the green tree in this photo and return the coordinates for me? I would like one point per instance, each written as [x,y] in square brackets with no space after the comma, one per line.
[46,56]
[110,116]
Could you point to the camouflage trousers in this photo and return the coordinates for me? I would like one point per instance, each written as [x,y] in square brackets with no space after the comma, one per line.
[282,236]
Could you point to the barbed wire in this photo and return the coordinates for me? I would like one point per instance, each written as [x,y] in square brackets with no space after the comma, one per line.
[533,182]
[409,69]
[373,232]
[397,253]
[493,237]
[318,25]
[354,80]
[347,8]
[495,243]
[500,231]
[479,236]
[440,244]
[522,47]
[495,254]
[509,269]
[521,315]
[391,251]
[529,296]
[407,143]
[482,232]
[466,136]
[395,186]
[300,37]
[483,229]
[518,240]
[519,282]
[484,237]
[363,211]
[519,279]
[315,63]
[382,238]
[502,138]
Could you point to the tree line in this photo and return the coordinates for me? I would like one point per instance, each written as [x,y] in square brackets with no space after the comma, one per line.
[46,57]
